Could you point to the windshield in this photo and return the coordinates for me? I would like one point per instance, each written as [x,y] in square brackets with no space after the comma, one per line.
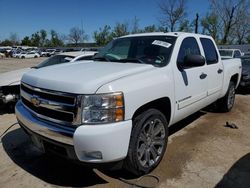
[155,50]
[57,59]
[226,53]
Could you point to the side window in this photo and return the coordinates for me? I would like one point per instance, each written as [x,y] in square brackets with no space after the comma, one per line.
[237,54]
[189,46]
[209,50]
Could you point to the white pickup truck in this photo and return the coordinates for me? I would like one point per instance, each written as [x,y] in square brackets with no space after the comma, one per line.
[119,107]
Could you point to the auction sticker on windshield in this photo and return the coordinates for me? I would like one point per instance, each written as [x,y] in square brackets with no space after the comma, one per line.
[161,43]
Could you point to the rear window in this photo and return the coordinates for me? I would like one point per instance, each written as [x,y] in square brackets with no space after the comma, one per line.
[209,50]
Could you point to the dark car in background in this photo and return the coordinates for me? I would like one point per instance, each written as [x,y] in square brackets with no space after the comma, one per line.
[245,77]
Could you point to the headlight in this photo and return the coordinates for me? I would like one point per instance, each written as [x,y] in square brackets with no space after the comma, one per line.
[103,108]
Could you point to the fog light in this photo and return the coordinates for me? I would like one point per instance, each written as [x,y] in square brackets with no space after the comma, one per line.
[94,155]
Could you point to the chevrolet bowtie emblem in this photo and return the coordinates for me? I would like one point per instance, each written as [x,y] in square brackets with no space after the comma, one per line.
[35,101]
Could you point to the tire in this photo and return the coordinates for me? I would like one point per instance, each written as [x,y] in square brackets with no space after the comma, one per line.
[35,56]
[226,103]
[147,146]
[22,57]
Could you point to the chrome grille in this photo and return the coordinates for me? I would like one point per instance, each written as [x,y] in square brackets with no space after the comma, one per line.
[58,107]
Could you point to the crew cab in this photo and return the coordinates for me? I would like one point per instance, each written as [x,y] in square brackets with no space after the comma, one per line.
[119,107]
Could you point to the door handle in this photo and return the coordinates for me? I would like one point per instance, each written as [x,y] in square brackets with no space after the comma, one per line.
[203,76]
[219,71]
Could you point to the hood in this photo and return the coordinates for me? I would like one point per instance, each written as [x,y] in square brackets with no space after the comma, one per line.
[81,78]
[12,77]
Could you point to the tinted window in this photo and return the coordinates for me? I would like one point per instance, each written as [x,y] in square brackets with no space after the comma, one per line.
[209,50]
[189,46]
[57,59]
[237,54]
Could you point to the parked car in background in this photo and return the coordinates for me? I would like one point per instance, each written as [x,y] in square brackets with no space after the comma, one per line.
[230,53]
[29,55]
[50,52]
[245,78]
[2,55]
[10,81]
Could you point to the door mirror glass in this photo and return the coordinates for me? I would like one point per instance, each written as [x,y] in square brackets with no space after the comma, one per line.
[193,61]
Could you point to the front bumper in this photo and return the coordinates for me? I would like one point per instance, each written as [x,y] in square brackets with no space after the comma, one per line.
[109,141]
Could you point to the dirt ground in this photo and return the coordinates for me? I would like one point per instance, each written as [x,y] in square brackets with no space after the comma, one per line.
[201,152]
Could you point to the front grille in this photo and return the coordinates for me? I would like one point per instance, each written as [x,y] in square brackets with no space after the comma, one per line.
[58,107]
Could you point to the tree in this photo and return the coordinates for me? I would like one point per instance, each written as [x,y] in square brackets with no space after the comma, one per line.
[55,41]
[242,27]
[135,26]
[185,26]
[173,13]
[76,35]
[26,41]
[120,29]
[103,36]
[150,28]
[35,39]
[229,13]
[6,42]
[43,36]
[210,25]
[14,38]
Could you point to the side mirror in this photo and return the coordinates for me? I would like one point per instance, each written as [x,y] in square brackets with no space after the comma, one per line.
[193,61]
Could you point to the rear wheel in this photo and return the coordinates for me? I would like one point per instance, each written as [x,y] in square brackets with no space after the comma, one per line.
[226,103]
[147,143]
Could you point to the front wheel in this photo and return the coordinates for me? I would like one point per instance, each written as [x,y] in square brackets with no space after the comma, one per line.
[147,143]
[226,103]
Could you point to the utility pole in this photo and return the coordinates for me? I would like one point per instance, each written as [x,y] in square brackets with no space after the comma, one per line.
[196,23]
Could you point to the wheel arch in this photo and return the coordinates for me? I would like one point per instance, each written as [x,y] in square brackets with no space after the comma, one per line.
[161,104]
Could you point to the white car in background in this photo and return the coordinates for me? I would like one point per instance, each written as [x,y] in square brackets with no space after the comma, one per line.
[230,53]
[10,81]
[29,55]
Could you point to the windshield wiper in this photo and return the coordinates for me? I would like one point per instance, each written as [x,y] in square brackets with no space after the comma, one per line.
[101,59]
[129,60]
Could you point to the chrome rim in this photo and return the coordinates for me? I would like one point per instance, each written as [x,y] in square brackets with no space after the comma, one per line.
[151,142]
[231,97]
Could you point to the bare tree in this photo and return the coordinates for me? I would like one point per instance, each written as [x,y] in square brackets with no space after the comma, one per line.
[135,25]
[173,12]
[76,35]
[229,12]
[242,30]
[210,25]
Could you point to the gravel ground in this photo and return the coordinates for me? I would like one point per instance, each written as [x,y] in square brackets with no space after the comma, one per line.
[202,152]
[9,64]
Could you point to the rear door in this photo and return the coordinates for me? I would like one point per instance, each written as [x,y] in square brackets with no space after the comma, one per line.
[214,68]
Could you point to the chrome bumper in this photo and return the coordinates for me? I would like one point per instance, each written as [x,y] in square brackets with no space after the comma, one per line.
[43,128]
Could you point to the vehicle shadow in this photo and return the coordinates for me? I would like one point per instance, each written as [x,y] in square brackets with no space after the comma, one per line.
[185,122]
[238,175]
[62,172]
[6,109]
[243,91]
[56,171]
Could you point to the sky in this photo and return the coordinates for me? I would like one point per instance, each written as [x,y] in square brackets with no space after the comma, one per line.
[25,17]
